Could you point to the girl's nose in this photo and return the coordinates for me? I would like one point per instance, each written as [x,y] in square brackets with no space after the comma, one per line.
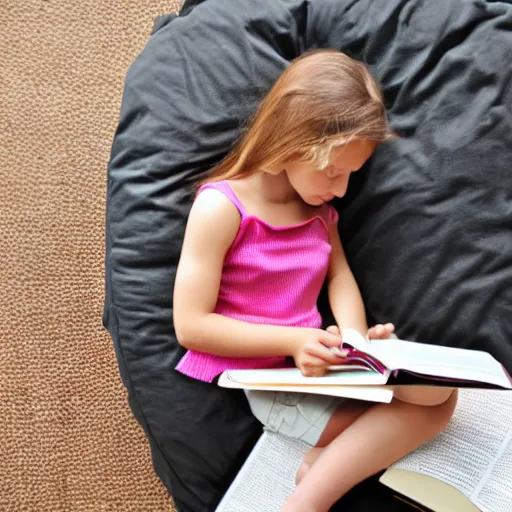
[339,186]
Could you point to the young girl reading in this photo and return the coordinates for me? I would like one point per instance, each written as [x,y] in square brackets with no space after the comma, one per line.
[260,241]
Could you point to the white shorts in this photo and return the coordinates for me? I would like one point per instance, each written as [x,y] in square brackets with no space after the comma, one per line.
[302,416]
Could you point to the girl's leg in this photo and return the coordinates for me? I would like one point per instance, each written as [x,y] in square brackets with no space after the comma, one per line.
[350,411]
[341,419]
[376,439]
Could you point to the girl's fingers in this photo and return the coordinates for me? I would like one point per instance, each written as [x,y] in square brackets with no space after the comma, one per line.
[373,332]
[325,356]
[334,329]
[313,367]
[381,331]
[314,372]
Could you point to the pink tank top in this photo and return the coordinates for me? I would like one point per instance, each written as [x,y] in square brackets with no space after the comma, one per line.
[271,275]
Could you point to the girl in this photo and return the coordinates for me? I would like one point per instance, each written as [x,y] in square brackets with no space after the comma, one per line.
[260,241]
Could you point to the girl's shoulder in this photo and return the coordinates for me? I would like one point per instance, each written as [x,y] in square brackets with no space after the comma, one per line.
[219,191]
[221,186]
[213,221]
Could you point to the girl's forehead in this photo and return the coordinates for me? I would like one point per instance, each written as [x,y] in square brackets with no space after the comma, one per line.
[354,153]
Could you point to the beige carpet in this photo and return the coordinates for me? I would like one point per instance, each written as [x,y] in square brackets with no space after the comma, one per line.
[67,439]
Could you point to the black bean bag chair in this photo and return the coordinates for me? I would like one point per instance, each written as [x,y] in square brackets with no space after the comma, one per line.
[427,225]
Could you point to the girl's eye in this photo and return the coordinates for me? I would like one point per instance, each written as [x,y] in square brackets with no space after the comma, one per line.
[330,172]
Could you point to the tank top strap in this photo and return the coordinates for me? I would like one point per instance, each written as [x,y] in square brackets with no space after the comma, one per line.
[329,214]
[225,188]
[333,215]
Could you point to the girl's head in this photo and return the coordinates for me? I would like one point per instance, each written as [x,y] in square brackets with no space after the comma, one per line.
[323,101]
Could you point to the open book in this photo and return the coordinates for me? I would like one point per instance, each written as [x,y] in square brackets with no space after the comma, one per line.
[466,468]
[379,365]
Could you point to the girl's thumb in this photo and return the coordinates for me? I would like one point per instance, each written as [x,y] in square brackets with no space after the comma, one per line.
[334,329]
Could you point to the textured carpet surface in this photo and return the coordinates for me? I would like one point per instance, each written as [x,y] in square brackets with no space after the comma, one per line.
[67,439]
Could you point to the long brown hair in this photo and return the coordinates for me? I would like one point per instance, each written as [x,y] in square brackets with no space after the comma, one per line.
[323,99]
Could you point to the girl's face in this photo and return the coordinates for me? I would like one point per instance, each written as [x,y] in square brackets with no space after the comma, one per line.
[317,187]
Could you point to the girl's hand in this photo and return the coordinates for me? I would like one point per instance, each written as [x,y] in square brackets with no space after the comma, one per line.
[314,354]
[380,331]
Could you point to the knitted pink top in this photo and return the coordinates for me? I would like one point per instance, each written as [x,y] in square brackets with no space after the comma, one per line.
[271,275]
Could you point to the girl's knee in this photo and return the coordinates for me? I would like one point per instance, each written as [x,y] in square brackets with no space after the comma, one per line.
[435,413]
[426,396]
[447,408]
[440,414]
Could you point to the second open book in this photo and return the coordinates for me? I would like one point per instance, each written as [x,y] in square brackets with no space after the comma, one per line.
[372,369]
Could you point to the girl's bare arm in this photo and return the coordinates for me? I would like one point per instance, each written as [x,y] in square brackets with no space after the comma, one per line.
[344,295]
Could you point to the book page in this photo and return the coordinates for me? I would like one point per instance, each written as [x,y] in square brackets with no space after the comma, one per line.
[438,361]
[293,376]
[495,492]
[367,393]
[474,453]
